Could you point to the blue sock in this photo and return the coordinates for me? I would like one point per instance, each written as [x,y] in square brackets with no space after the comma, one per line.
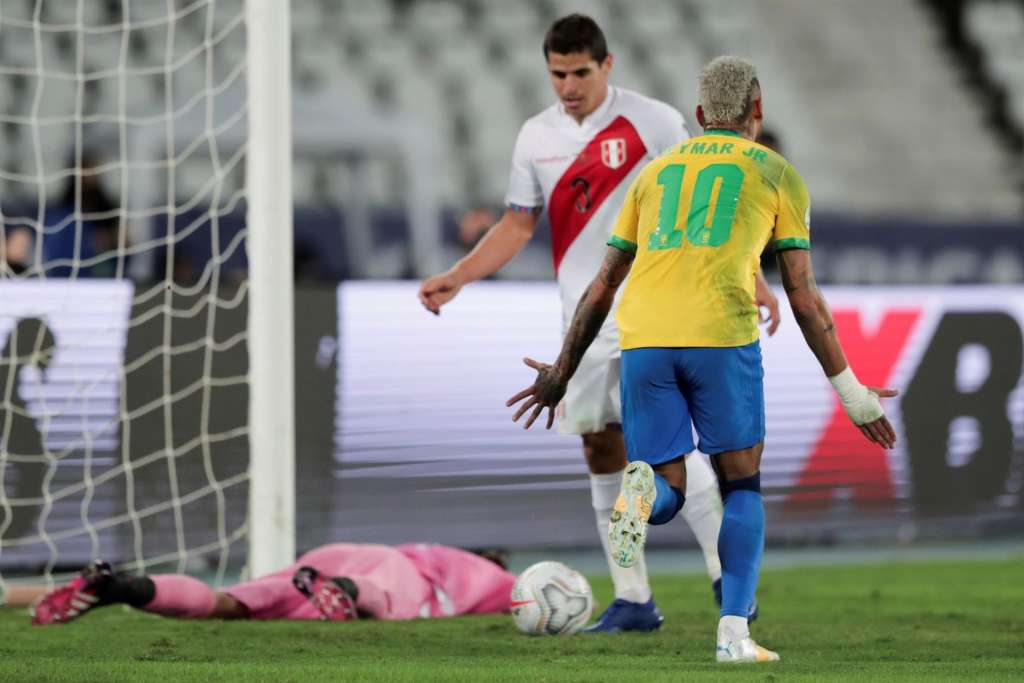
[741,544]
[667,503]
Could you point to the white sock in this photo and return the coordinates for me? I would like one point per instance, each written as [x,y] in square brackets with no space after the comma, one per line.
[732,628]
[630,582]
[703,510]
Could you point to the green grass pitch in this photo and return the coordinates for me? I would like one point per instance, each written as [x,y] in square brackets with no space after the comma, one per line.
[940,621]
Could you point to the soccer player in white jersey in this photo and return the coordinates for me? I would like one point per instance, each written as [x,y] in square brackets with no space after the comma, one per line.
[576,159]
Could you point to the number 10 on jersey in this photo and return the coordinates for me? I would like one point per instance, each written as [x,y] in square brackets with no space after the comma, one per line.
[728,178]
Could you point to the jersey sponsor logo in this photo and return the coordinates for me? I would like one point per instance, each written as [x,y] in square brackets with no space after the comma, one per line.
[552,160]
[589,180]
[613,152]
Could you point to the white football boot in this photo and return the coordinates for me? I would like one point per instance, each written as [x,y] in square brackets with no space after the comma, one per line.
[627,532]
[735,645]
[744,651]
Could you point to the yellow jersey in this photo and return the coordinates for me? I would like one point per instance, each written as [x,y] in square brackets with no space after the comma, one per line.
[698,218]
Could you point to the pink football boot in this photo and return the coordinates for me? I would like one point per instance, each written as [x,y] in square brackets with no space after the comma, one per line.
[334,598]
[73,600]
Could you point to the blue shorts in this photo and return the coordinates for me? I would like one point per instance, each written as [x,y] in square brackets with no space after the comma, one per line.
[666,392]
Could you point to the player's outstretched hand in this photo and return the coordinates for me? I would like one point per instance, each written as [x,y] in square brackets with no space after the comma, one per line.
[880,430]
[435,292]
[545,392]
[767,306]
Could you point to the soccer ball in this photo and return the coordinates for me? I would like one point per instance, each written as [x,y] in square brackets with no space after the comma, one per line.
[551,599]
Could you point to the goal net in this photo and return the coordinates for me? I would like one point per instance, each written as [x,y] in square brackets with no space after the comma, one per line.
[128,286]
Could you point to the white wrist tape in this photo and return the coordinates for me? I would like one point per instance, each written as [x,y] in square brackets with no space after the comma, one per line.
[860,403]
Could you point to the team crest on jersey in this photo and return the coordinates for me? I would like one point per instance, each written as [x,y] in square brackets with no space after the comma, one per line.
[613,152]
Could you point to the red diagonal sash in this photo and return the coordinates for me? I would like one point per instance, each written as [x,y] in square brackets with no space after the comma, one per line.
[590,179]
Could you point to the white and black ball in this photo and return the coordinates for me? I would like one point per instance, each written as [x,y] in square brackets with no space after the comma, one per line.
[549,598]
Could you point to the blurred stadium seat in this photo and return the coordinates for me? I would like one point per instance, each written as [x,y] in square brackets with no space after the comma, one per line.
[863,95]
[997,27]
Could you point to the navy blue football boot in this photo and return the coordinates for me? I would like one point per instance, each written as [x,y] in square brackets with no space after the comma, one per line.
[623,615]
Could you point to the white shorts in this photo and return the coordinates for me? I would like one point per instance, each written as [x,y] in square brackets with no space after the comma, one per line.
[592,400]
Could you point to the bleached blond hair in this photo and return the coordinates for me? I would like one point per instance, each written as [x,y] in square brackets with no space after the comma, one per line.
[726,88]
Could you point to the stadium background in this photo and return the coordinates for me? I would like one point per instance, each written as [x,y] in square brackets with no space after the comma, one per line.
[906,118]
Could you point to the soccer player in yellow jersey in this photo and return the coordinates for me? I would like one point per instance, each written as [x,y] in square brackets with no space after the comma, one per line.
[688,236]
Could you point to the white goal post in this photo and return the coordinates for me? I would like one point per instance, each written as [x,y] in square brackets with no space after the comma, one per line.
[271,319]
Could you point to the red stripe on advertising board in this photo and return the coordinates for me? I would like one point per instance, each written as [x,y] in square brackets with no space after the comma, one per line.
[591,178]
[843,458]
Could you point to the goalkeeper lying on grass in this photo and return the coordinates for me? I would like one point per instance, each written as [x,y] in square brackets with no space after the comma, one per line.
[339,582]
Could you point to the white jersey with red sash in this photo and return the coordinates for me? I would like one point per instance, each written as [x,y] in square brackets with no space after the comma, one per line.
[579,173]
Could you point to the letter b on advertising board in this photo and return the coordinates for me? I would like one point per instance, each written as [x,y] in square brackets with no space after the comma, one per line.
[934,399]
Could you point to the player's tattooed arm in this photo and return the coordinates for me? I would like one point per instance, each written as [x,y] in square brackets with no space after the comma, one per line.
[815,319]
[811,310]
[592,310]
